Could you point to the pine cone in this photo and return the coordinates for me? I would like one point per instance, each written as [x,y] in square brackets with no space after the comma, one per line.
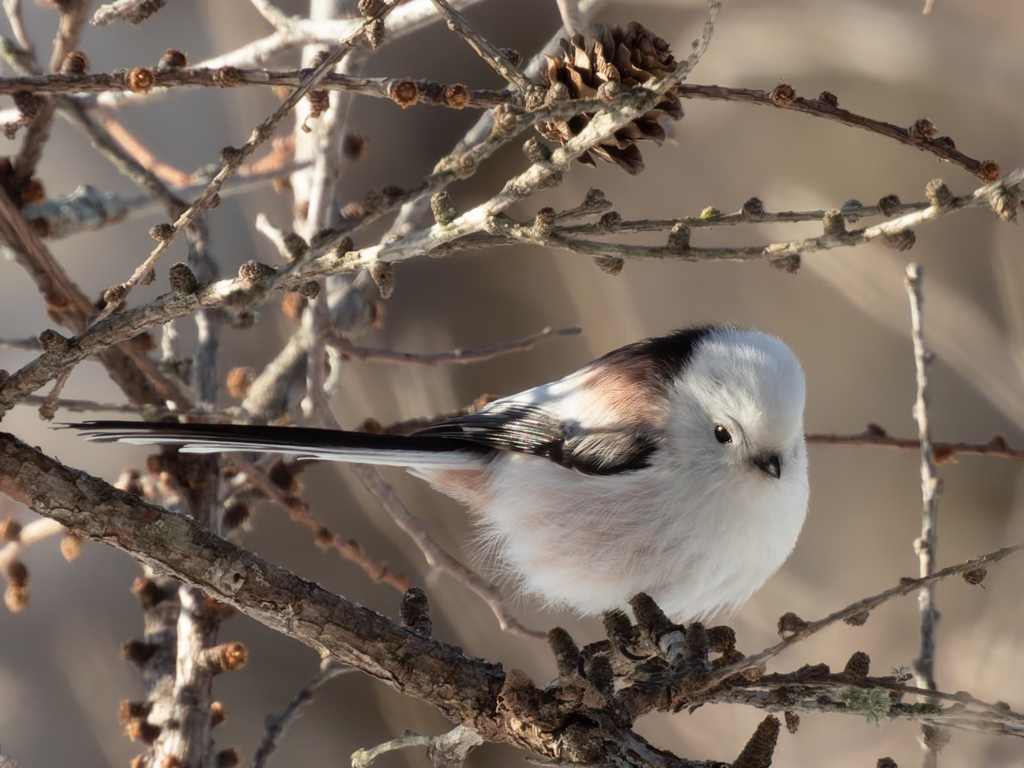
[632,57]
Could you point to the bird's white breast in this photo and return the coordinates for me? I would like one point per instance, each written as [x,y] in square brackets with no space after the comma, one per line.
[592,542]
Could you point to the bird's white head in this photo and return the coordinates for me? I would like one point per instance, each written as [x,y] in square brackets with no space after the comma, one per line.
[736,411]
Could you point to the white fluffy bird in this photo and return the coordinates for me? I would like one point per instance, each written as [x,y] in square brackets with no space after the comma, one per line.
[674,466]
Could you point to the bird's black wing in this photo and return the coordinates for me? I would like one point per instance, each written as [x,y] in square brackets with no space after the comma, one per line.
[531,429]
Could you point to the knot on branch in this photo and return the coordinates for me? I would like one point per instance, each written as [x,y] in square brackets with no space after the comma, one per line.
[52,342]
[938,193]
[858,666]
[404,92]
[679,237]
[141,80]
[505,122]
[182,279]
[75,63]
[383,275]
[415,611]
[375,34]
[790,624]
[610,265]
[227,657]
[903,240]
[759,750]
[753,209]
[456,96]
[833,224]
[443,209]
[172,59]
[1005,201]
[162,232]
[784,94]
[252,272]
[149,592]
[889,205]
[228,77]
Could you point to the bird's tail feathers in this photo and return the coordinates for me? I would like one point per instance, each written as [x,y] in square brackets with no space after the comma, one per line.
[302,442]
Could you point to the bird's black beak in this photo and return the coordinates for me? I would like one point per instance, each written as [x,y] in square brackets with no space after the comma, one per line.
[769,464]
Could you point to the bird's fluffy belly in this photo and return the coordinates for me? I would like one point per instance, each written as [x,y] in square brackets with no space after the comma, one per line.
[593,542]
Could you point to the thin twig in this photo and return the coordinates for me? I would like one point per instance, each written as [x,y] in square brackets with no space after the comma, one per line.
[875,436]
[851,213]
[81,406]
[51,402]
[87,209]
[931,489]
[445,750]
[33,532]
[72,16]
[362,758]
[410,17]
[461,356]
[437,557]
[13,10]
[941,146]
[277,725]
[431,92]
[299,511]
[857,609]
[572,19]
[142,155]
[128,365]
[484,47]
[260,134]
[274,15]
[27,345]
[408,426]
[416,210]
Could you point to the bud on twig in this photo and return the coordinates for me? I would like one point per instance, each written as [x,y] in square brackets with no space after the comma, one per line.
[443,209]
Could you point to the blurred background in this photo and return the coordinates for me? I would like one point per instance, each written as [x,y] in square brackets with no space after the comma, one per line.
[844,313]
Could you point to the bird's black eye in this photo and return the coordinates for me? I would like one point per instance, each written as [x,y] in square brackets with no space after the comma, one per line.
[722,434]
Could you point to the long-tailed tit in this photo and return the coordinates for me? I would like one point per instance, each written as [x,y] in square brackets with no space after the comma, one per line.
[674,466]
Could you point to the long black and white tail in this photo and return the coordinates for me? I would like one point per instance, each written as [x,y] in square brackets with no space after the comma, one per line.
[304,443]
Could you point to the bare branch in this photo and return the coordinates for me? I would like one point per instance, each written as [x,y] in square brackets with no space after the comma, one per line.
[941,452]
[178,545]
[461,356]
[485,49]
[931,490]
[277,725]
[942,147]
[167,80]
